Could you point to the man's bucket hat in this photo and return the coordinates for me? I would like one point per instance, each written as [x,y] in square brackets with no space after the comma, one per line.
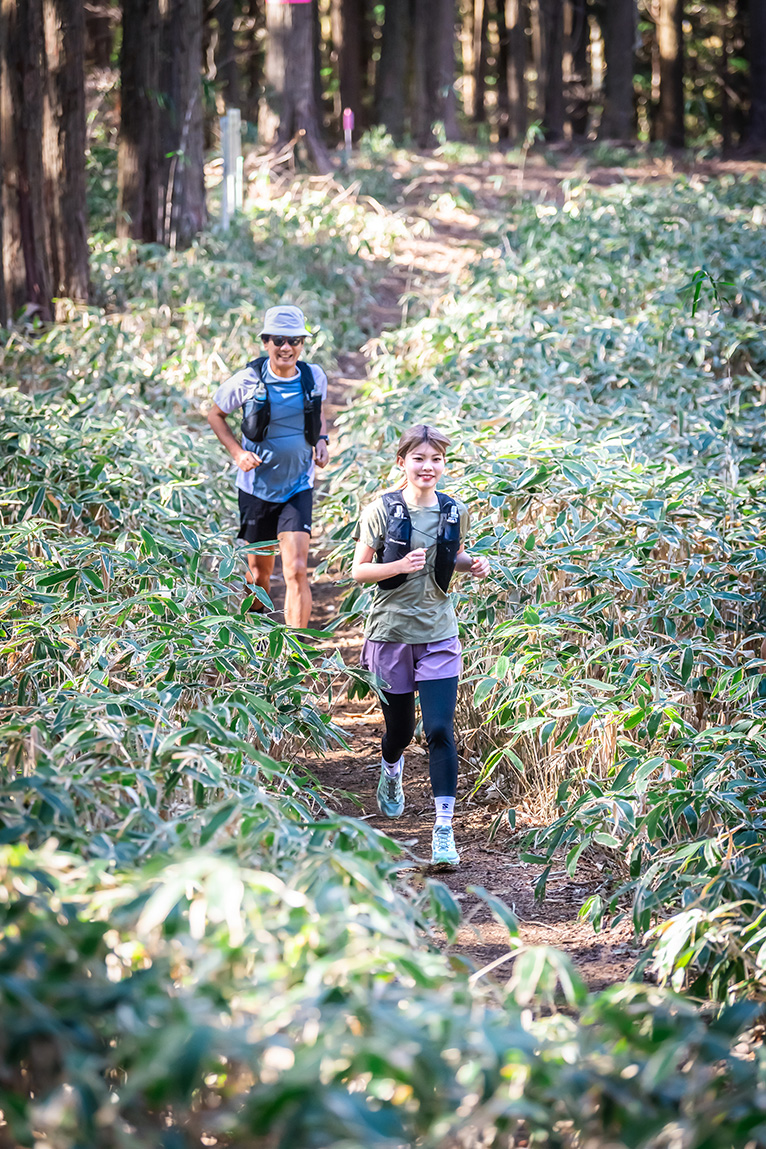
[284,320]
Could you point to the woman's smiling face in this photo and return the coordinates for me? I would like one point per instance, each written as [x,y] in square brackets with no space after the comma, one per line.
[423,466]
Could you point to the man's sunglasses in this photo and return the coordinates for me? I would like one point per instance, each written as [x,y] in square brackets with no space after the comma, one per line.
[278,340]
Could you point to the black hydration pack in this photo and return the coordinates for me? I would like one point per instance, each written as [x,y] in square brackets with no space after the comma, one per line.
[398,540]
[257,411]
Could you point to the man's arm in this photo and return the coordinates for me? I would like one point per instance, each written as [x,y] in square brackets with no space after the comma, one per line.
[321,453]
[245,460]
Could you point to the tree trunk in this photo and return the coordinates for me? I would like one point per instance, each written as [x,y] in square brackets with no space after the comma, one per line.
[516,20]
[723,78]
[99,34]
[580,79]
[289,112]
[618,122]
[351,56]
[445,70]
[670,115]
[480,53]
[26,270]
[278,23]
[755,135]
[42,155]
[64,148]
[434,74]
[226,54]
[182,175]
[316,47]
[550,76]
[503,95]
[139,210]
[161,194]
[391,79]
[4,127]
[254,58]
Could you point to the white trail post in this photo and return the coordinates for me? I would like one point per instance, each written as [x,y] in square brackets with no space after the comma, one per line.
[231,146]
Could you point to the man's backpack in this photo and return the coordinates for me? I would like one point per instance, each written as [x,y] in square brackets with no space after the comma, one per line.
[256,412]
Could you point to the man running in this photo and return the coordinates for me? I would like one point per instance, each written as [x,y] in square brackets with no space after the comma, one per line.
[284,434]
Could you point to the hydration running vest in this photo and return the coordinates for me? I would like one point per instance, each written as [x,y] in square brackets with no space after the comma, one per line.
[257,411]
[397,542]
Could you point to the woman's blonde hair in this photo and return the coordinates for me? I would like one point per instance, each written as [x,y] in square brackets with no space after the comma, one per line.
[420,434]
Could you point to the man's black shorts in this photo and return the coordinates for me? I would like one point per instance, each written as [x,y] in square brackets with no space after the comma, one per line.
[262,521]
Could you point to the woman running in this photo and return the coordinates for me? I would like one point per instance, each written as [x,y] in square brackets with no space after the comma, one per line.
[410,543]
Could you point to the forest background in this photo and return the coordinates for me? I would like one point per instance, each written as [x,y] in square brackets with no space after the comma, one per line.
[665,72]
[203,943]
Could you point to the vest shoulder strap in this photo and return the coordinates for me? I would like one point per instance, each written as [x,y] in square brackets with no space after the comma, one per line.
[307,377]
[392,499]
[446,502]
[258,364]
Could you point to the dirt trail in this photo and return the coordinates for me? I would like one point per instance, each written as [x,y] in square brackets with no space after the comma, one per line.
[428,264]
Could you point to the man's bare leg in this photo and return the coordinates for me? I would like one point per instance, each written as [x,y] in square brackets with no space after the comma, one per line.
[259,570]
[294,549]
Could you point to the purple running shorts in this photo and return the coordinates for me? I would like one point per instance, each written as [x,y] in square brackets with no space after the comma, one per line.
[401,665]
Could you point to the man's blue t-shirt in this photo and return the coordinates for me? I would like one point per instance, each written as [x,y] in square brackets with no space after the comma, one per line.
[287,460]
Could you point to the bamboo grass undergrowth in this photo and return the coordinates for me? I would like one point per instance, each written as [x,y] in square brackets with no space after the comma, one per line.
[601,374]
[194,948]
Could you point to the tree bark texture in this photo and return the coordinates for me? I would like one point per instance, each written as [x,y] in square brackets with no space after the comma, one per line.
[289,111]
[618,121]
[446,96]
[254,54]
[64,147]
[756,126]
[99,34]
[3,297]
[161,190]
[42,155]
[181,124]
[424,110]
[480,54]
[393,68]
[26,272]
[670,114]
[226,54]
[550,74]
[580,75]
[352,56]
[503,99]
[139,210]
[278,26]
[434,72]
[516,18]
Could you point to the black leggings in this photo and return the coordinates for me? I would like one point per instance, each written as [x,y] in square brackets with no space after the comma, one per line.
[437,705]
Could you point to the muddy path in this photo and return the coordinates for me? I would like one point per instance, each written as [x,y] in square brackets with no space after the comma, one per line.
[430,264]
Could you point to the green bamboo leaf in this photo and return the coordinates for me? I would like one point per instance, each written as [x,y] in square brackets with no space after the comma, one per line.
[191,537]
[483,689]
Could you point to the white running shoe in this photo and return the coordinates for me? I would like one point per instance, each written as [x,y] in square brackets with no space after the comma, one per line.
[443,851]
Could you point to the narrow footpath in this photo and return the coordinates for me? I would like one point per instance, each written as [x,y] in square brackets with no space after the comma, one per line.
[430,265]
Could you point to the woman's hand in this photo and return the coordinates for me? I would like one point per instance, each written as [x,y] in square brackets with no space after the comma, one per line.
[480,567]
[413,561]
